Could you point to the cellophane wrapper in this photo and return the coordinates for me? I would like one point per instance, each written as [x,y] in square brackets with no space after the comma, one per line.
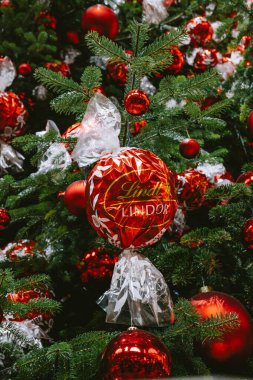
[138,294]
[154,11]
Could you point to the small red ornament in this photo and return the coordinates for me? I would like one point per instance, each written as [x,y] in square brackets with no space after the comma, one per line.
[74,197]
[246,178]
[131,198]
[235,344]
[117,71]
[192,187]
[73,37]
[13,116]
[59,67]
[205,58]
[24,69]
[245,41]
[101,19]
[168,3]
[72,132]
[199,30]
[136,102]
[99,89]
[189,148]
[46,19]
[250,126]
[20,250]
[135,354]
[4,218]
[97,264]
[208,102]
[177,64]
[137,126]
[5,3]
[248,233]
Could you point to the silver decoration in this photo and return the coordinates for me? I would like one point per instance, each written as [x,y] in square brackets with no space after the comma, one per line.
[147,86]
[114,4]
[99,61]
[154,11]
[10,159]
[7,73]
[69,55]
[40,92]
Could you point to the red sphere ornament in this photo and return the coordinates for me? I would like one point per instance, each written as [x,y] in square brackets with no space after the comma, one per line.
[131,198]
[246,178]
[135,354]
[192,187]
[250,126]
[13,116]
[4,218]
[235,344]
[189,148]
[178,60]
[205,58]
[20,250]
[46,19]
[117,71]
[59,67]
[101,19]
[72,132]
[137,126]
[136,102]
[74,197]
[24,69]
[73,37]
[248,233]
[199,30]
[97,264]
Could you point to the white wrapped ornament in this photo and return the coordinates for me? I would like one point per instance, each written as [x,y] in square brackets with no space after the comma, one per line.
[154,11]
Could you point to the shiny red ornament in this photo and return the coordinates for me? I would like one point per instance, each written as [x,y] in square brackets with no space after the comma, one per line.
[46,19]
[246,178]
[17,251]
[99,89]
[72,132]
[189,148]
[131,198]
[199,30]
[4,218]
[73,37]
[117,71]
[250,126]
[235,344]
[208,102]
[24,69]
[59,67]
[97,264]
[74,197]
[135,354]
[13,116]
[168,3]
[178,61]
[245,41]
[248,234]
[205,58]
[5,3]
[136,102]
[101,19]
[192,187]
[137,126]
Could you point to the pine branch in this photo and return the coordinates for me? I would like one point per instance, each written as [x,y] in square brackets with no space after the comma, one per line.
[104,47]
[217,108]
[139,35]
[66,103]
[200,236]
[56,82]
[91,77]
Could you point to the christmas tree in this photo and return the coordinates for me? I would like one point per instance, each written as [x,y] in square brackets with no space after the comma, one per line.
[126,133]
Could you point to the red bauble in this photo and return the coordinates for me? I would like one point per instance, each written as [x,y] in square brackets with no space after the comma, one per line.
[74,197]
[136,102]
[131,198]
[250,126]
[137,126]
[46,19]
[117,71]
[99,89]
[208,102]
[199,30]
[73,37]
[97,264]
[235,344]
[178,60]
[13,116]
[168,3]
[248,233]
[4,218]
[101,19]
[189,148]
[246,178]
[245,41]
[5,3]
[59,67]
[20,250]
[192,187]
[135,354]
[205,58]
[24,69]
[72,132]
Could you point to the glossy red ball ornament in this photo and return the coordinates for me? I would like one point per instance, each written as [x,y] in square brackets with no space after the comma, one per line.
[135,354]
[189,148]
[46,19]
[250,126]
[72,132]
[136,102]
[205,58]
[24,69]
[199,30]
[5,3]
[247,231]
[117,71]
[73,37]
[235,344]
[178,61]
[131,198]
[97,264]
[192,187]
[137,126]
[13,116]
[4,218]
[74,197]
[101,19]
[59,67]
[245,41]
[246,178]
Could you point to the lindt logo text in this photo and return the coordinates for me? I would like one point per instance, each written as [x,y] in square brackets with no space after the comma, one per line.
[135,190]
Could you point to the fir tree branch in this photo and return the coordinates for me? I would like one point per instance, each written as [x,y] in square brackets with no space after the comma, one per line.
[104,47]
